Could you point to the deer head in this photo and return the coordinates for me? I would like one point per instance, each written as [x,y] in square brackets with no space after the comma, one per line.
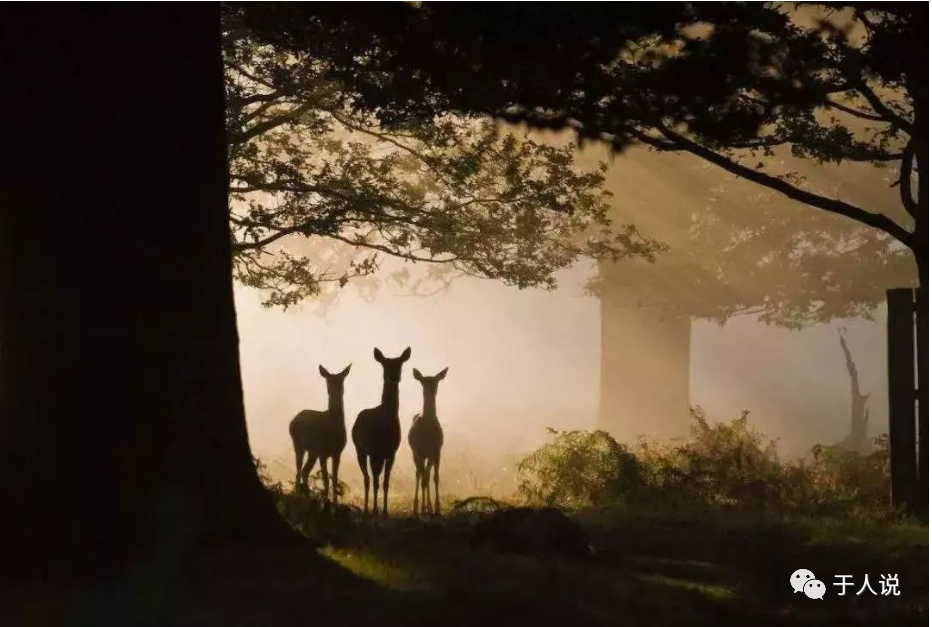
[430,384]
[391,366]
[335,381]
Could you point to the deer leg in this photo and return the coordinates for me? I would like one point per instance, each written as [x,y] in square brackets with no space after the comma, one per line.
[298,462]
[376,463]
[336,480]
[306,471]
[425,486]
[365,480]
[388,475]
[326,476]
[417,481]
[422,486]
[437,485]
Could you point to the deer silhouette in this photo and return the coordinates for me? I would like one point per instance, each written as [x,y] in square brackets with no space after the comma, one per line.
[321,434]
[377,431]
[426,440]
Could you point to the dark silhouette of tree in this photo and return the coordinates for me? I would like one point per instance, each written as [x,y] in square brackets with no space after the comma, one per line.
[742,86]
[122,432]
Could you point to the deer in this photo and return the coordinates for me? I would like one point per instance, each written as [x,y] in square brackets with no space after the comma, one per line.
[426,439]
[321,435]
[377,432]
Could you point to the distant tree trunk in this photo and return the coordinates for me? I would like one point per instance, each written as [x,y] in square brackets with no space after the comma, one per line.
[122,430]
[645,369]
[856,439]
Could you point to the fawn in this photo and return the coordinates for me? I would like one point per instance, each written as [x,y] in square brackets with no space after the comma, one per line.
[377,431]
[321,434]
[426,440]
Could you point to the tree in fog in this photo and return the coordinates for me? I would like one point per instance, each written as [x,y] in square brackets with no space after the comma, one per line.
[309,169]
[758,90]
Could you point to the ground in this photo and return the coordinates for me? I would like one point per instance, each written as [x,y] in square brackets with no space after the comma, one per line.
[646,570]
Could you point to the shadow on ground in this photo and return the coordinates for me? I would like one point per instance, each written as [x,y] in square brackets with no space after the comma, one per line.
[652,571]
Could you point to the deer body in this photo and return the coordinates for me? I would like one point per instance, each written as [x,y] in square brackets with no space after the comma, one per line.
[321,435]
[426,439]
[377,432]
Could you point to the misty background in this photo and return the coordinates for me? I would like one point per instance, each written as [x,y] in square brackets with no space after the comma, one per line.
[524,360]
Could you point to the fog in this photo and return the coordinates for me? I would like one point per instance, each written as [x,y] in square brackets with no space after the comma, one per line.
[519,361]
[524,360]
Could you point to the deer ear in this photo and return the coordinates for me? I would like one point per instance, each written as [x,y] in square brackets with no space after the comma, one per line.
[442,373]
[379,357]
[346,370]
[405,356]
[323,371]
[418,375]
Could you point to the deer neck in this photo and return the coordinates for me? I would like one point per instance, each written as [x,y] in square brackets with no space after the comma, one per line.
[390,395]
[430,405]
[335,406]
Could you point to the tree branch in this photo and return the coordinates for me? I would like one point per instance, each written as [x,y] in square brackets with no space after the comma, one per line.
[864,115]
[271,123]
[239,247]
[831,205]
[885,112]
[389,251]
[391,140]
[906,179]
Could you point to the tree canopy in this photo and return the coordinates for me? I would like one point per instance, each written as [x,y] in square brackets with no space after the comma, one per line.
[748,87]
[456,190]
[738,249]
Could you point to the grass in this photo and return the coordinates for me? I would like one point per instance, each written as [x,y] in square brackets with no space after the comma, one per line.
[649,568]
[660,570]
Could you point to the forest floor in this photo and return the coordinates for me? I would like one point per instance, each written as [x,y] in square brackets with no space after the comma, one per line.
[646,570]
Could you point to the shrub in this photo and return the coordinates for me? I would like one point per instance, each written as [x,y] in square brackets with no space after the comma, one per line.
[308,511]
[728,465]
[578,468]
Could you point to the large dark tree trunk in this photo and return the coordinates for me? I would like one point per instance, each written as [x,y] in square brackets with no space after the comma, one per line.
[122,431]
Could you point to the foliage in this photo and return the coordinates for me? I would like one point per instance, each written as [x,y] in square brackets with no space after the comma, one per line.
[308,512]
[451,190]
[739,250]
[839,481]
[728,465]
[274,488]
[578,468]
[763,91]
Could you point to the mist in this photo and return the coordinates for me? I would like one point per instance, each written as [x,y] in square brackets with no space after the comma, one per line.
[524,360]
[520,361]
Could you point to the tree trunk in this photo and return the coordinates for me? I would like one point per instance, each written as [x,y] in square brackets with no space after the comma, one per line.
[122,431]
[922,372]
[856,440]
[645,369]
[921,252]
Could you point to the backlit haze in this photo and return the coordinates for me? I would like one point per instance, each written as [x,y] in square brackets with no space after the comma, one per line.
[521,361]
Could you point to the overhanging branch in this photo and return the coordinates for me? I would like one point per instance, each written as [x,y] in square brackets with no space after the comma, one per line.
[876,220]
[885,112]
